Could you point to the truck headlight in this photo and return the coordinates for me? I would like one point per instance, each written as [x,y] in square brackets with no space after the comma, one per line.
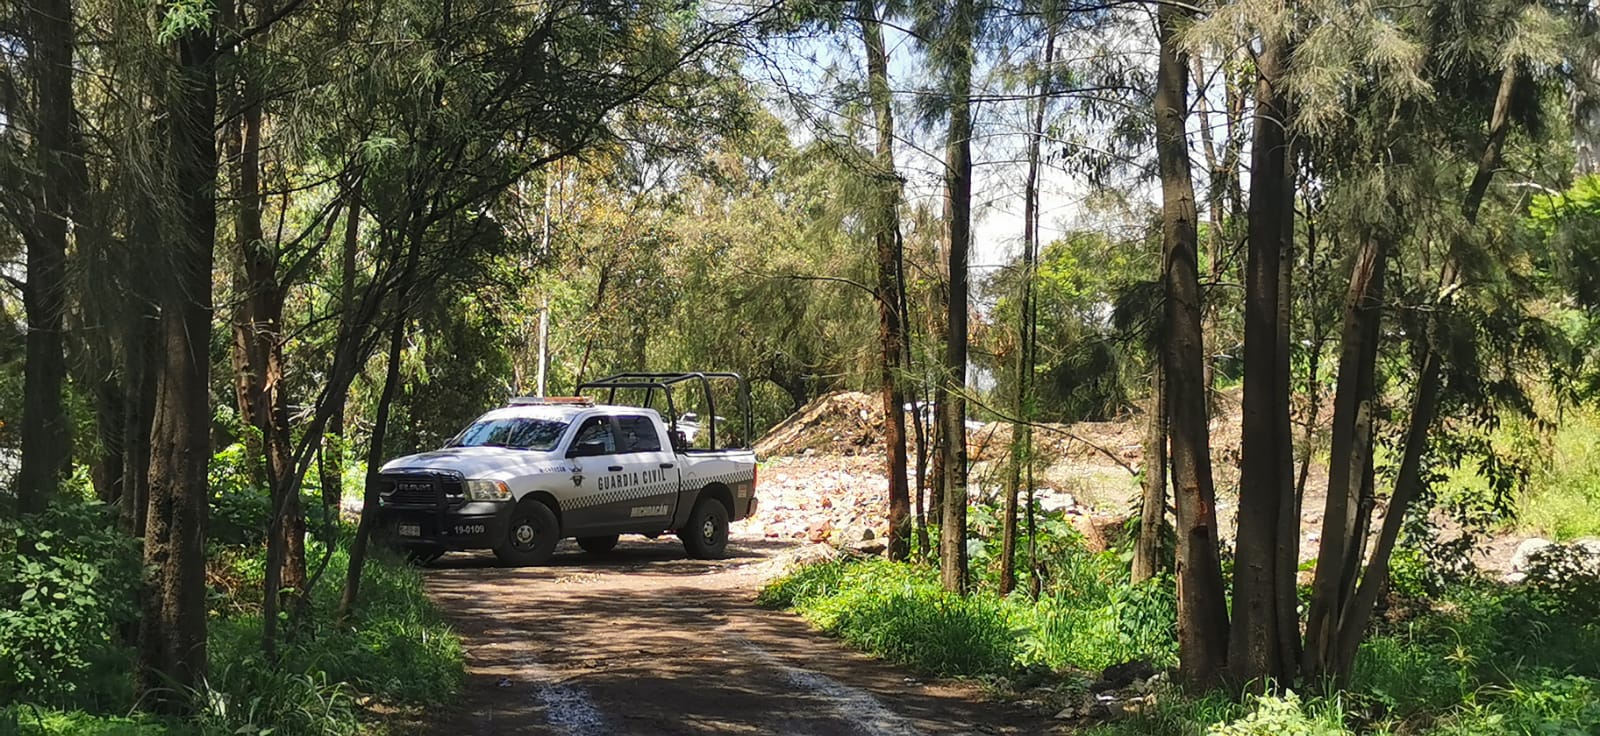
[488,490]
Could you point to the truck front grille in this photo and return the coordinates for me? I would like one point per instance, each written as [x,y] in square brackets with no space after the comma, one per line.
[419,490]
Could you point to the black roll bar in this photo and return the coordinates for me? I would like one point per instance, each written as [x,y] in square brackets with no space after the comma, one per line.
[664,382]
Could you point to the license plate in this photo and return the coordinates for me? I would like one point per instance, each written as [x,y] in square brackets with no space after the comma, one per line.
[463,530]
[410,530]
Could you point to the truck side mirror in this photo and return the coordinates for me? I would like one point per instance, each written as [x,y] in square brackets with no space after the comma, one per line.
[587,449]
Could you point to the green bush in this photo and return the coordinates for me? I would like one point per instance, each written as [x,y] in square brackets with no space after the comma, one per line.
[1551,706]
[1111,623]
[399,651]
[900,612]
[27,720]
[68,579]
[1285,715]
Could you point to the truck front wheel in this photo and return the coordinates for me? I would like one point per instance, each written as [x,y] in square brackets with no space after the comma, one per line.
[531,536]
[706,534]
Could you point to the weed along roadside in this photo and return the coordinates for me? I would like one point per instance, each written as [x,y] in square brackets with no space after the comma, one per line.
[68,667]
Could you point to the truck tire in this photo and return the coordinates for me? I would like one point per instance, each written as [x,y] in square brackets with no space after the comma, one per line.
[531,536]
[598,545]
[706,534]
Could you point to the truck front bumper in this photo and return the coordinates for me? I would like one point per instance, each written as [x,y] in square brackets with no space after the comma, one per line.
[476,525]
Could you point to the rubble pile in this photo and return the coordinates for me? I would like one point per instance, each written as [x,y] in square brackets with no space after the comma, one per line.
[840,423]
[837,500]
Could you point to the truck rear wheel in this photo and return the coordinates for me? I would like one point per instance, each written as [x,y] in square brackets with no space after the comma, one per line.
[531,536]
[706,534]
[598,545]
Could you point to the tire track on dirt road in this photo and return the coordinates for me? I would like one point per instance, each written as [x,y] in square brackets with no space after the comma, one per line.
[644,641]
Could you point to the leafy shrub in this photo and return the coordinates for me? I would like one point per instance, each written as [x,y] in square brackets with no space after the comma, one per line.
[1285,716]
[240,508]
[1116,623]
[68,579]
[28,720]
[900,612]
[1551,706]
[399,650]
[1565,578]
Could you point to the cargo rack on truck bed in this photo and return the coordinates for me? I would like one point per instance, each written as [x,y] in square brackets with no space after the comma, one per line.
[650,383]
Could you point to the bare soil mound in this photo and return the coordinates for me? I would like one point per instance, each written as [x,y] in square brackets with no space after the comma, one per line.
[840,423]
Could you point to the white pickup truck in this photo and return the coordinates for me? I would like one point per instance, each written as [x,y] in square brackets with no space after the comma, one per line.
[521,478]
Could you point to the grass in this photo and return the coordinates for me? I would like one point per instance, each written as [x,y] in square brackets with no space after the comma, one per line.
[398,654]
[899,611]
[24,720]
[1563,500]
[1486,659]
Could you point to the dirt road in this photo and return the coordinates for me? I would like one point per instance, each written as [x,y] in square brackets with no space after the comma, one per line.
[645,641]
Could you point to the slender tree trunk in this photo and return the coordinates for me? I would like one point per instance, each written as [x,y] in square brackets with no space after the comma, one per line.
[1022,430]
[1153,508]
[380,426]
[1265,490]
[1408,484]
[891,323]
[141,360]
[1586,95]
[1216,239]
[1202,607]
[332,469]
[172,654]
[958,207]
[46,431]
[1350,456]
[415,230]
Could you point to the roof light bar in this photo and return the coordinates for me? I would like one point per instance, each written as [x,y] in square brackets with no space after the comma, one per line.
[551,401]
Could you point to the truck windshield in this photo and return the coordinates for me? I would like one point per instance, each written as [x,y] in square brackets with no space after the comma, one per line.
[520,433]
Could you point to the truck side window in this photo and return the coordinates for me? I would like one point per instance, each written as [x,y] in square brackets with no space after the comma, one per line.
[639,434]
[594,438]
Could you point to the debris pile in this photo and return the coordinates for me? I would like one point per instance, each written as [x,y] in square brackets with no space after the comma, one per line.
[835,500]
[840,423]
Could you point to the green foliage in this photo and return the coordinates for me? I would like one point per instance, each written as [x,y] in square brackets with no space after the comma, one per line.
[1563,497]
[1090,618]
[240,507]
[398,651]
[1551,706]
[28,720]
[68,579]
[900,612]
[1109,623]
[1285,715]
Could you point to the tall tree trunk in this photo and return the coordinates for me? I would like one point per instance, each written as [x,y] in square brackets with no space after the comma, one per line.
[1022,430]
[173,628]
[1153,506]
[415,230]
[1408,484]
[46,431]
[1586,95]
[1349,456]
[891,323]
[1202,607]
[141,359]
[332,467]
[258,352]
[958,211]
[369,514]
[1265,491]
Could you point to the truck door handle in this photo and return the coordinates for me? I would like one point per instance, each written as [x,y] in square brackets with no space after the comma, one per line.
[666,466]
[614,468]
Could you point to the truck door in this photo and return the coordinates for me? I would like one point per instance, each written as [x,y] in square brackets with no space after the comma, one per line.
[592,458]
[650,469]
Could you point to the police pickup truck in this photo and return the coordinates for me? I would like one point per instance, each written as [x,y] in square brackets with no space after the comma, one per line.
[521,478]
